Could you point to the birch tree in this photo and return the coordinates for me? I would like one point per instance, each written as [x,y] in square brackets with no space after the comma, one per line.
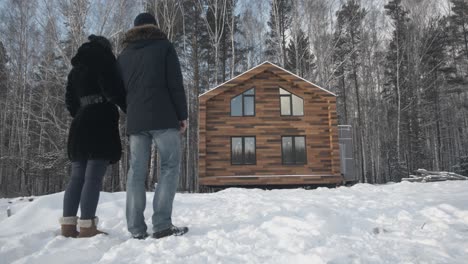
[168,16]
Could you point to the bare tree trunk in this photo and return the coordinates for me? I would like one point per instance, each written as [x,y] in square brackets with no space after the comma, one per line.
[233,43]
[398,99]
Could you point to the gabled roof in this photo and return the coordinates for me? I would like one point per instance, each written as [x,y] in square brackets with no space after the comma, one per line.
[265,66]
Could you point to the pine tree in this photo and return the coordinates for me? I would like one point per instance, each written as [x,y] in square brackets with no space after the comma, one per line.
[196,44]
[3,116]
[396,86]
[279,23]
[341,68]
[347,38]
[300,59]
[462,166]
[433,66]
[346,57]
[457,43]
[3,72]
[459,20]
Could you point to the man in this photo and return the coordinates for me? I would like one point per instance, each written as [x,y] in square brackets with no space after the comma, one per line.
[156,112]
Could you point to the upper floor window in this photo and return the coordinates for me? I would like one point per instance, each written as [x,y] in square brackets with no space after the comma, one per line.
[244,104]
[294,150]
[243,151]
[291,105]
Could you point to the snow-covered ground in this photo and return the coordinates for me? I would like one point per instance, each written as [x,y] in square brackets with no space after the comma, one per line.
[394,223]
[15,204]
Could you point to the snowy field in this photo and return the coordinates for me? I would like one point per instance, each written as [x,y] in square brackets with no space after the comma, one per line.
[394,223]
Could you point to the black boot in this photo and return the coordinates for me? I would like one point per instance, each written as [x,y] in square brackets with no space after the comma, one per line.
[171,231]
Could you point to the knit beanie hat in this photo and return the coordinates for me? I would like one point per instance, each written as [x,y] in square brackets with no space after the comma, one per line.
[143,19]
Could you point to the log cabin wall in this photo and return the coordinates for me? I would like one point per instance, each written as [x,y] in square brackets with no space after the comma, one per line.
[318,125]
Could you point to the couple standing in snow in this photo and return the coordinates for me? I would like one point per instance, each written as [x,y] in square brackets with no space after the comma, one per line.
[146,83]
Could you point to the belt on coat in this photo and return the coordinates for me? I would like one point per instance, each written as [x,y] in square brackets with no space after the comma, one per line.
[92,99]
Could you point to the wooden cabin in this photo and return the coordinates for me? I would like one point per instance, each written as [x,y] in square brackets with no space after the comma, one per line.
[267,127]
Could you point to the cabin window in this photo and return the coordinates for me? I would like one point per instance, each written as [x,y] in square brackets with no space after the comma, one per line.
[294,150]
[291,105]
[243,151]
[244,104]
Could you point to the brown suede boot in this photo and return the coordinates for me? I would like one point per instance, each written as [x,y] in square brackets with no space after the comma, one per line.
[69,226]
[88,228]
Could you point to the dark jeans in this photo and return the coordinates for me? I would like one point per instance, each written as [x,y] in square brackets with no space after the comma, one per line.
[84,188]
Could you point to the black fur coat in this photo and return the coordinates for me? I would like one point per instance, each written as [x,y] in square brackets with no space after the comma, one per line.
[94,132]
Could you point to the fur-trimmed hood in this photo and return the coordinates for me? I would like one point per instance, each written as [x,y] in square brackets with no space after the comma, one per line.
[145,32]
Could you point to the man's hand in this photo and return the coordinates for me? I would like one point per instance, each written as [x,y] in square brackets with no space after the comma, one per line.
[183,126]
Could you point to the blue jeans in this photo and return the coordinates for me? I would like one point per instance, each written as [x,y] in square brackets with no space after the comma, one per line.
[167,142]
[84,188]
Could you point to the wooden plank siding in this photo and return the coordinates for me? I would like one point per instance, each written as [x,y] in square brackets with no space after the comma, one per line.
[318,125]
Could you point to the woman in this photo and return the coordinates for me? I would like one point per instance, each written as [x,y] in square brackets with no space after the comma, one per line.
[94,89]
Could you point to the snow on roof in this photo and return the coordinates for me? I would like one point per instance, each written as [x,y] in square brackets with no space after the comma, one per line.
[262,64]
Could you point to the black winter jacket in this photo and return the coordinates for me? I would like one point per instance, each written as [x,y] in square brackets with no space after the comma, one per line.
[153,81]
[94,131]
